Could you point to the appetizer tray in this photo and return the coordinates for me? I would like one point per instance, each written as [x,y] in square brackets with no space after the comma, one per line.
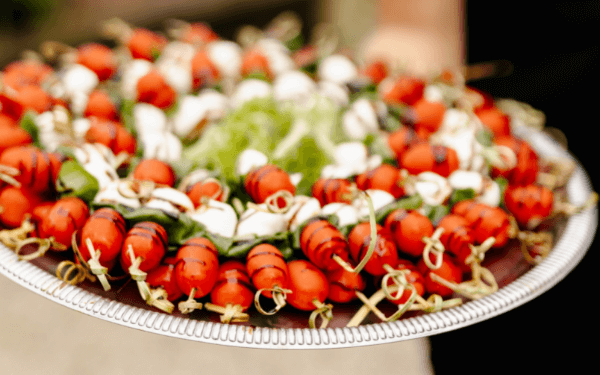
[519,283]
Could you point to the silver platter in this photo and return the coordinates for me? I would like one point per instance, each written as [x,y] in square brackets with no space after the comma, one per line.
[125,308]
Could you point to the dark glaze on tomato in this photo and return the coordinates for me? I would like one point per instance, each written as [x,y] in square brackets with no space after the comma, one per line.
[266,268]
[385,177]
[429,116]
[233,286]
[385,250]
[66,216]
[402,139]
[204,72]
[529,204]
[208,189]
[263,182]
[414,278]
[424,157]
[98,58]
[38,170]
[197,267]
[100,105]
[405,90]
[320,240]
[149,241]
[106,229]
[525,172]
[332,190]
[163,276]
[112,135]
[485,221]
[408,229]
[448,271]
[344,284]
[457,236]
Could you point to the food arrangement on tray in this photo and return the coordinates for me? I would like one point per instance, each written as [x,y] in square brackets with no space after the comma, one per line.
[253,177]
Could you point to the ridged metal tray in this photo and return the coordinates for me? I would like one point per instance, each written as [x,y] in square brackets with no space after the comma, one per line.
[519,285]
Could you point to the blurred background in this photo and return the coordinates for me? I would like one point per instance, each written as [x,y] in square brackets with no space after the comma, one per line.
[554,51]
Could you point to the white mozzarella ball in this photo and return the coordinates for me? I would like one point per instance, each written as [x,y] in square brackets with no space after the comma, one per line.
[163,146]
[177,198]
[190,113]
[216,104]
[491,194]
[110,194]
[218,218]
[373,162]
[193,177]
[80,127]
[295,178]
[466,180]
[433,188]
[293,86]
[453,120]
[94,152]
[379,198]
[227,57]
[463,142]
[350,153]
[259,223]
[353,126]
[177,76]
[365,111]
[346,213]
[433,93]
[336,93]
[177,52]
[149,119]
[277,54]
[79,79]
[250,89]
[338,69]
[165,206]
[103,172]
[79,102]
[302,209]
[248,160]
[340,171]
[49,137]
[133,71]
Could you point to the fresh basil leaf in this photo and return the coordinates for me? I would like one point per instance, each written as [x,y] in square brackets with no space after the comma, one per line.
[461,195]
[502,184]
[74,181]
[485,137]
[28,124]
[295,43]
[410,203]
[435,213]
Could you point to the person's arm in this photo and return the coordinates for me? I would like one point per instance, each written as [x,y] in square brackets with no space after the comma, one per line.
[420,35]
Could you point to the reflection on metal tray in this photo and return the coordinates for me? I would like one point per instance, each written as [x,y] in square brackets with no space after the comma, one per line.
[519,283]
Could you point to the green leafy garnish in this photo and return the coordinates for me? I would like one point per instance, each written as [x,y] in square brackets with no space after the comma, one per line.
[485,137]
[502,184]
[461,195]
[295,139]
[295,43]
[28,124]
[258,124]
[74,181]
[435,213]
